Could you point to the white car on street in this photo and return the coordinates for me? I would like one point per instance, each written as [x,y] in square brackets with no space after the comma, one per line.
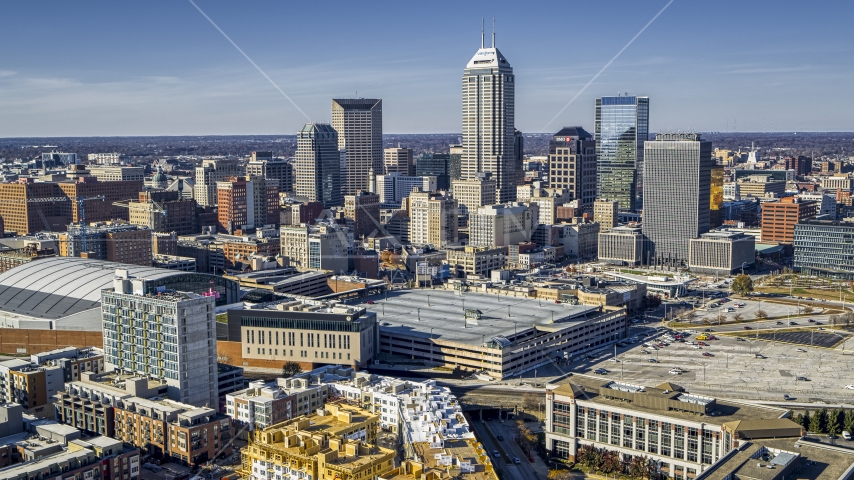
[676,371]
[849,387]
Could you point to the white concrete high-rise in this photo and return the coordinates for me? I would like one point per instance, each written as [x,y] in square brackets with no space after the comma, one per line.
[488,120]
[359,123]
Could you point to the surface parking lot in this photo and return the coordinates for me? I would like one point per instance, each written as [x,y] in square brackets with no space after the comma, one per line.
[774,308]
[816,339]
[750,368]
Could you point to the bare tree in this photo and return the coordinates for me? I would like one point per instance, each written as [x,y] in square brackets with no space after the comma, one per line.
[761,314]
[720,318]
[737,317]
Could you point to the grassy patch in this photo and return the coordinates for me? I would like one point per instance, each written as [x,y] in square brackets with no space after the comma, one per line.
[634,272]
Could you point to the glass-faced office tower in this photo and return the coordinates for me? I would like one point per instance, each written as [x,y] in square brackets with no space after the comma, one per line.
[488,118]
[622,125]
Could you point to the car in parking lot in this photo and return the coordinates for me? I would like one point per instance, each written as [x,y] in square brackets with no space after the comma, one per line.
[703,344]
[849,387]
[786,396]
[600,371]
[652,360]
[676,371]
[803,379]
[801,350]
[707,354]
[739,339]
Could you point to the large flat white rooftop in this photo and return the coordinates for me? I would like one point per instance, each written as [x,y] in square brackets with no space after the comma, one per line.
[407,312]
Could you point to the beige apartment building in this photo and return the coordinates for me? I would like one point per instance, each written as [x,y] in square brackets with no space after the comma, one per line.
[605,214]
[397,159]
[474,193]
[433,219]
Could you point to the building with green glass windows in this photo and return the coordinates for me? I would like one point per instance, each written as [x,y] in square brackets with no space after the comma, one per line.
[622,125]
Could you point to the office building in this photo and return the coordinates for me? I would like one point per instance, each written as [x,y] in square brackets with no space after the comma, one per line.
[164,212]
[210,172]
[311,332]
[120,242]
[622,127]
[117,173]
[721,252]
[677,172]
[801,165]
[519,156]
[605,214]
[760,186]
[169,336]
[174,262]
[317,165]
[622,246]
[336,442]
[363,209]
[239,253]
[433,219]
[435,165]
[500,225]
[716,197]
[548,200]
[28,207]
[399,160]
[837,183]
[825,248]
[489,119]
[279,172]
[58,159]
[113,158]
[471,260]
[474,193]
[682,433]
[323,246]
[455,162]
[394,187]
[572,164]
[246,203]
[826,203]
[359,123]
[779,218]
[578,238]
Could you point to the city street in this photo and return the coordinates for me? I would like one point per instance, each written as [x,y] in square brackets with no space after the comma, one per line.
[487,433]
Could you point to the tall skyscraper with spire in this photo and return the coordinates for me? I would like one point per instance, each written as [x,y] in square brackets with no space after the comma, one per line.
[488,120]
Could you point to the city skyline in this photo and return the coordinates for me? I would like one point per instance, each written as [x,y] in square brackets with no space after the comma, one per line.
[171,72]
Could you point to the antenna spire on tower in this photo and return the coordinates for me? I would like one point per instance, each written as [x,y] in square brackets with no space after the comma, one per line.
[481,32]
[493,32]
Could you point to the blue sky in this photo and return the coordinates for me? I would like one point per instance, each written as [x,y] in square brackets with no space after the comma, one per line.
[159,68]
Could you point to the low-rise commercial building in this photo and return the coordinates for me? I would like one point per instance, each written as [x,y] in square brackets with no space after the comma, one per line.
[622,246]
[825,247]
[721,252]
[312,332]
[467,261]
[683,433]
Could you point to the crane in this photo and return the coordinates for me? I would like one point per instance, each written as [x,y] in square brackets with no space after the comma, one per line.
[82,207]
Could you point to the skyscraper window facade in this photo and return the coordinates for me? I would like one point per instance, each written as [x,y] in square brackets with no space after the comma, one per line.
[317,168]
[488,119]
[677,167]
[622,127]
[359,123]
